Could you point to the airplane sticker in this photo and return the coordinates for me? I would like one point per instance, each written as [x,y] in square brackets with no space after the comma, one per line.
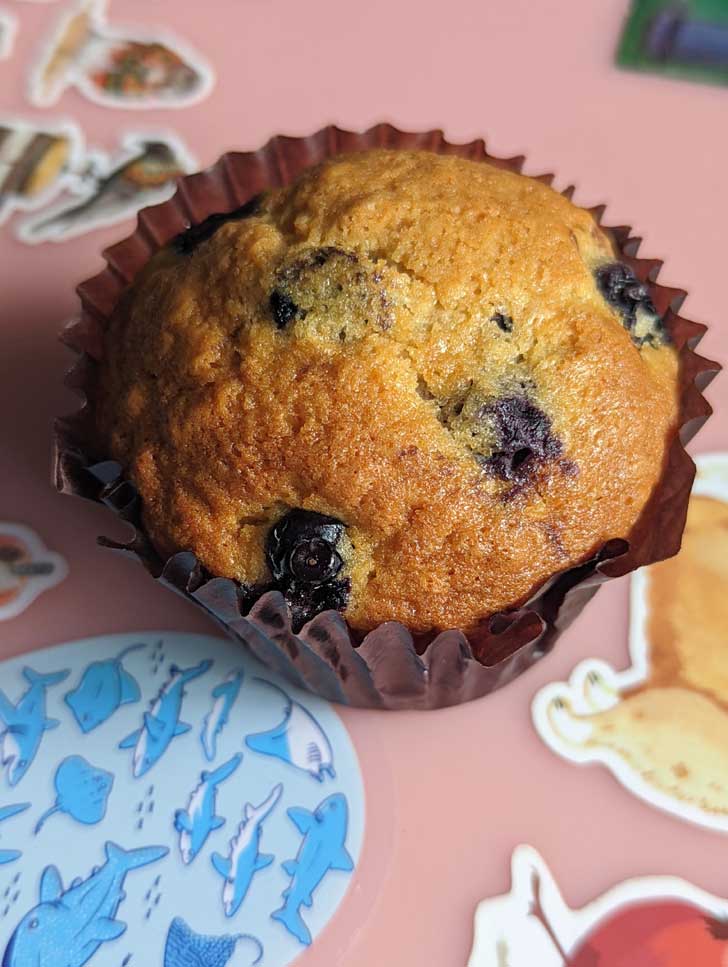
[27,568]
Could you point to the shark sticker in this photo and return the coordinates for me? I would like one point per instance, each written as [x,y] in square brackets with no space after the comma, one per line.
[195,823]
[226,828]
[68,926]
[224,696]
[27,567]
[244,859]
[323,849]
[161,723]
[24,724]
[185,948]
[8,30]
[107,188]
[661,726]
[82,792]
[297,740]
[7,812]
[648,922]
[117,67]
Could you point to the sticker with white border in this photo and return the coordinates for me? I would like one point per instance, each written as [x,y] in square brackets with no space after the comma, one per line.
[27,568]
[110,188]
[8,30]
[117,67]
[37,161]
[656,921]
[165,800]
[661,726]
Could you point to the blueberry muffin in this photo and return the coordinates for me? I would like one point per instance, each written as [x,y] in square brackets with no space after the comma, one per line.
[407,387]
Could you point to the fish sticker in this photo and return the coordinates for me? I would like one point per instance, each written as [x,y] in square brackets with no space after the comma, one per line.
[323,849]
[299,740]
[185,948]
[67,927]
[244,860]
[23,724]
[81,791]
[117,67]
[661,726]
[7,812]
[8,30]
[110,188]
[161,723]
[658,921]
[224,697]
[195,823]
[104,687]
[27,567]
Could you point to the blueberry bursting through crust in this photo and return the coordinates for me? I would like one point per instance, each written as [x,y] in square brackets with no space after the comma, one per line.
[624,291]
[302,551]
[523,435]
[186,242]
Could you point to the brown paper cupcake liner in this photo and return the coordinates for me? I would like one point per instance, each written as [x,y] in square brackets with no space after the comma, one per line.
[388,668]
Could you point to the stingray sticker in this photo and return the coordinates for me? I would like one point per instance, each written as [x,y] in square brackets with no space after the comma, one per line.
[8,30]
[661,726]
[110,188]
[117,67]
[240,861]
[27,568]
[36,162]
[656,921]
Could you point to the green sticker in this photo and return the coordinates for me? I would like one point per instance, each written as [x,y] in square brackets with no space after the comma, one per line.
[686,39]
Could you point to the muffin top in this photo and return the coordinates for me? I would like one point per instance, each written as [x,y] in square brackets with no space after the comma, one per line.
[408,387]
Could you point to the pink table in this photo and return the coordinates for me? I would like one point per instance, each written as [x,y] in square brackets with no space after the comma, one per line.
[450,794]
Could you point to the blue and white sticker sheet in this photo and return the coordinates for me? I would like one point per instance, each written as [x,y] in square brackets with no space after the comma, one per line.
[165,800]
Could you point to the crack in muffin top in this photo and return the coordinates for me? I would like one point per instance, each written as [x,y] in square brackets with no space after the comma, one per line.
[432,372]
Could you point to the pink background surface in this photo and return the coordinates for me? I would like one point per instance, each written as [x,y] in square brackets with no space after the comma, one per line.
[449,793]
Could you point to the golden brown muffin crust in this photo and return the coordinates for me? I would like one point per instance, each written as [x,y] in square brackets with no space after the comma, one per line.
[362,346]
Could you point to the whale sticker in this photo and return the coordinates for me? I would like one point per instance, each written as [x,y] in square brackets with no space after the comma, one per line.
[161,723]
[195,823]
[7,812]
[656,921]
[322,850]
[224,696]
[661,725]
[81,791]
[68,926]
[298,740]
[244,859]
[224,826]
[104,687]
[23,724]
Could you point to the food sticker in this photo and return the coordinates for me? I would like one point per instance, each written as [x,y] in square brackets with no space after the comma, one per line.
[661,726]
[658,921]
[27,568]
[166,801]
[110,188]
[8,29]
[117,67]
[36,162]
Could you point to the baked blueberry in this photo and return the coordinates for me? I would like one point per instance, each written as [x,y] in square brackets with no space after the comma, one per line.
[303,555]
[624,291]
[504,322]
[523,437]
[284,309]
[186,242]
